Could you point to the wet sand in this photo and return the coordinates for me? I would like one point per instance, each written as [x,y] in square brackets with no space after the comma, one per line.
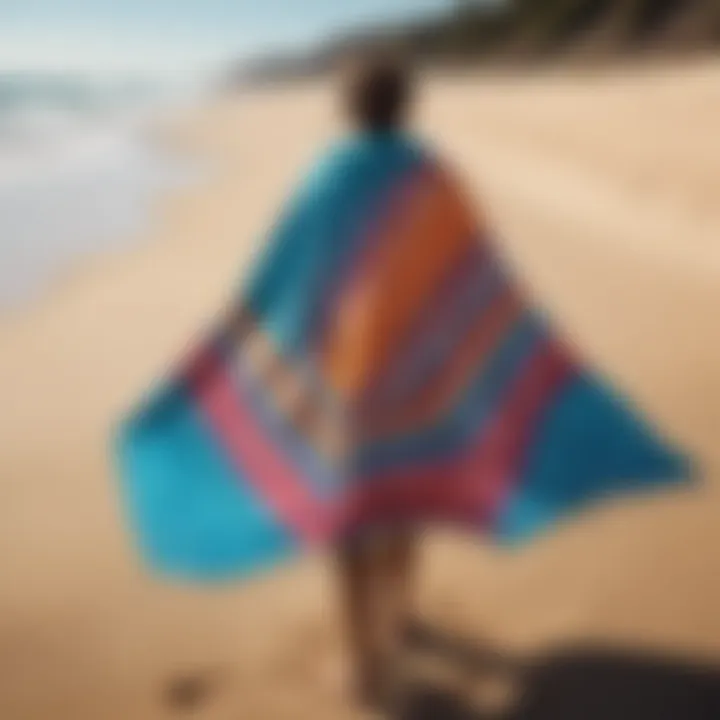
[605,190]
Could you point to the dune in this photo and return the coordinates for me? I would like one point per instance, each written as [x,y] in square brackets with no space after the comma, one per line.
[605,192]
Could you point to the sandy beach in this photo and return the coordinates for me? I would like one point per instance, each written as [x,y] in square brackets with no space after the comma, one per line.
[605,190]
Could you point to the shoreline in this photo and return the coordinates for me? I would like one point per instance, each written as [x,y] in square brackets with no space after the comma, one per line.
[84,192]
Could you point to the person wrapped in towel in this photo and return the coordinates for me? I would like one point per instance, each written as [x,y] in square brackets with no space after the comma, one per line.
[380,373]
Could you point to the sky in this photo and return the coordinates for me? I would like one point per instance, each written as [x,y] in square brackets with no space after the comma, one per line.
[166,37]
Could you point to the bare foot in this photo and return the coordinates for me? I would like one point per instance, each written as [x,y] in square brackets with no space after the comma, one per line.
[372,689]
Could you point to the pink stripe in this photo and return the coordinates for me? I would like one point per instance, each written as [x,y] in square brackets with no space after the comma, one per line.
[411,497]
[253,454]
[509,439]
[477,481]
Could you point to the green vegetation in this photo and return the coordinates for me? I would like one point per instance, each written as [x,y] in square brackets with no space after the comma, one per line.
[538,27]
[528,30]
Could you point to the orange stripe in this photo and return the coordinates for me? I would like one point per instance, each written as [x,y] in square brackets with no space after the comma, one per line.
[418,250]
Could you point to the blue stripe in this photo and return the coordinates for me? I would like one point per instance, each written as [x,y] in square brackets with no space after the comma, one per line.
[194,515]
[480,402]
[589,445]
[331,214]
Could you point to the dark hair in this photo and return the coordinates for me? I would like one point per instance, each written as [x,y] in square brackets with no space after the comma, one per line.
[378,93]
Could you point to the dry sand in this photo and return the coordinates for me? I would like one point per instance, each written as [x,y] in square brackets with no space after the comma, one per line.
[606,190]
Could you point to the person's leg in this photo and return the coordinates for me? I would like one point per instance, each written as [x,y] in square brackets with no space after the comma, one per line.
[377,578]
[394,593]
[357,574]
[400,569]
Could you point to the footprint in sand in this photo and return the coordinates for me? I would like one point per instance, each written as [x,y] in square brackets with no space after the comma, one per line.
[188,692]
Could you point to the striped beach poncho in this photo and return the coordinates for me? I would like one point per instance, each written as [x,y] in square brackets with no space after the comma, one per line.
[379,366]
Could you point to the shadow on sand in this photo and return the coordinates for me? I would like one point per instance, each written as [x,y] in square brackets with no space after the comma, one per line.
[578,683]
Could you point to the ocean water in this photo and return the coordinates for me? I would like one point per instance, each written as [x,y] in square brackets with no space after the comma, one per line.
[78,173]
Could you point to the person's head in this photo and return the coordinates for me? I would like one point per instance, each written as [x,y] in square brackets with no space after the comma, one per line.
[378,93]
